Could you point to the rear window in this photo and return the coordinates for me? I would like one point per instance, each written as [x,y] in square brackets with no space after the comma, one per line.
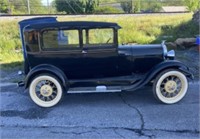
[60,39]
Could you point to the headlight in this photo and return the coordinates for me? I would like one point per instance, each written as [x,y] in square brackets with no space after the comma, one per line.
[171,54]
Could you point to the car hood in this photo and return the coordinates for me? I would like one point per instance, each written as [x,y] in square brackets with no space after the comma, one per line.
[141,50]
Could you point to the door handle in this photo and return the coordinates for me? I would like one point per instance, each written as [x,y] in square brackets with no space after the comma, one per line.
[84,52]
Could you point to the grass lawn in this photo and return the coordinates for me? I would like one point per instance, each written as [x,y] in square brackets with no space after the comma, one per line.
[142,29]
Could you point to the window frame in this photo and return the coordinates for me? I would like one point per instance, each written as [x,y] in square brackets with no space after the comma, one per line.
[26,41]
[100,45]
[59,49]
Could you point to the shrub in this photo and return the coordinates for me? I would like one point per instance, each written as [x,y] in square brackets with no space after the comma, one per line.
[107,9]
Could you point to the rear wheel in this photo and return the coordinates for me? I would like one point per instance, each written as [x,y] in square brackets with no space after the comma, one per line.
[170,86]
[45,90]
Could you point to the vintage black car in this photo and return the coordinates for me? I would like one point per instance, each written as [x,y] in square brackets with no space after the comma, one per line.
[82,56]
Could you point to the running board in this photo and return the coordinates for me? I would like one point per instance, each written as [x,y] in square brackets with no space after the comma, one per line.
[97,89]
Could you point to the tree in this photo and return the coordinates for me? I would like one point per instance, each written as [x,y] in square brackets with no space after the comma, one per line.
[152,5]
[76,6]
[155,7]
[91,5]
[69,6]
[192,5]
[21,6]
[131,6]
[127,6]
[4,6]
[137,6]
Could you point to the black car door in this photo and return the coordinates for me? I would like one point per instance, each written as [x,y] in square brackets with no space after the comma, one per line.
[99,53]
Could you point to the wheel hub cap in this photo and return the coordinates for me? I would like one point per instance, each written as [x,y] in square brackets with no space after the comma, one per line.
[170,86]
[46,90]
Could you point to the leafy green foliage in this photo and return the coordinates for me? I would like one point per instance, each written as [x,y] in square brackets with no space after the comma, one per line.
[192,5]
[135,6]
[69,6]
[76,6]
[10,46]
[4,7]
[107,9]
[152,6]
[90,6]
[20,6]
[127,6]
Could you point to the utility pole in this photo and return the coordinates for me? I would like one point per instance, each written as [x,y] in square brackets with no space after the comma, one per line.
[10,10]
[49,10]
[132,6]
[28,5]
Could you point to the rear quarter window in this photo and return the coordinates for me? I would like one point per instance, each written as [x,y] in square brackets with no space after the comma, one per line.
[31,41]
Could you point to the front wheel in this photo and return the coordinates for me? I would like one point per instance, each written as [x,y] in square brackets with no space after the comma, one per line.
[45,90]
[170,86]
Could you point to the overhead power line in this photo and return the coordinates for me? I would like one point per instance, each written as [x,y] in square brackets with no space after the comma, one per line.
[71,7]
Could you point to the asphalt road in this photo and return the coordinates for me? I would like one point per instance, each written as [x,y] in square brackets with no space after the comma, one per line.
[103,115]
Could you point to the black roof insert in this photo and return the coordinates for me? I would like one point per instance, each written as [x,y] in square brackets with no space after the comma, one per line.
[74,24]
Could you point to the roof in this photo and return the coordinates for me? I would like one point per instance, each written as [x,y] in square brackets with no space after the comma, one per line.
[73,24]
[36,20]
[174,9]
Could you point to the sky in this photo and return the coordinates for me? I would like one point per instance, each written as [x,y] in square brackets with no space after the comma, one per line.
[44,2]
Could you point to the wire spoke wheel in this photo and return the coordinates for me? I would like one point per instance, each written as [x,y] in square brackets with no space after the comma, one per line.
[45,90]
[170,86]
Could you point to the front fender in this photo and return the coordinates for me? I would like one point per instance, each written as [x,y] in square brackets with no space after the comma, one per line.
[46,68]
[168,64]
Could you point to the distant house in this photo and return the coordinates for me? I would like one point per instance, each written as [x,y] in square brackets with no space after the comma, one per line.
[174,9]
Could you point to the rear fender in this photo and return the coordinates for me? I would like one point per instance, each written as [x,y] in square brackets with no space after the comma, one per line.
[45,68]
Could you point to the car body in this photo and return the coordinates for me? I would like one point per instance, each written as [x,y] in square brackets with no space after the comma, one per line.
[84,56]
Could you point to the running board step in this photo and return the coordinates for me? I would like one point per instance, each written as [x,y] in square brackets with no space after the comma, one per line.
[97,89]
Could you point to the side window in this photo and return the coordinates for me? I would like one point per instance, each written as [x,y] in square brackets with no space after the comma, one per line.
[60,39]
[98,37]
[31,41]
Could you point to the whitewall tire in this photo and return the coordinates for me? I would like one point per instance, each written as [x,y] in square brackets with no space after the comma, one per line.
[170,86]
[45,90]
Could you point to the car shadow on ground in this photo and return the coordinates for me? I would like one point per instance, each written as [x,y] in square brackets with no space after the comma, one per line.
[142,96]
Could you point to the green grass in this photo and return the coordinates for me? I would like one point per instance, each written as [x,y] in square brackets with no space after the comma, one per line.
[142,29]
[10,44]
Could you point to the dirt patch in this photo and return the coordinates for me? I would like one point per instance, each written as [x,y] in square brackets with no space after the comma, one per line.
[11,75]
